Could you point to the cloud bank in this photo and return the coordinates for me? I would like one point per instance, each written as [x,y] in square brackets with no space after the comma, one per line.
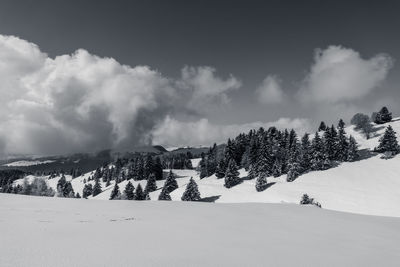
[270,90]
[82,102]
[341,74]
[172,132]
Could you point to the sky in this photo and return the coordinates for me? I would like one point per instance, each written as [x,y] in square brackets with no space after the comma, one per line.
[80,76]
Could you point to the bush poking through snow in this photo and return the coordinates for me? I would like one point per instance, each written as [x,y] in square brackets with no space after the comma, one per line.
[306,200]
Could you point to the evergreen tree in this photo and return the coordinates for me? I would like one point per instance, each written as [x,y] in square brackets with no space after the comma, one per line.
[203,167]
[151,184]
[329,144]
[322,126]
[352,150]
[294,165]
[277,168]
[231,174]
[97,188]
[306,153]
[129,192]
[192,192]
[265,160]
[388,142]
[170,183]
[87,190]
[68,191]
[383,116]
[60,186]
[318,157]
[139,194]
[221,169]
[115,193]
[77,195]
[342,143]
[158,169]
[164,195]
[261,182]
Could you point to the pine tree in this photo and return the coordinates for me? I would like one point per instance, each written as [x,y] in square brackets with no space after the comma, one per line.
[60,186]
[87,190]
[221,168]
[322,126]
[151,184]
[139,194]
[203,167]
[318,158]
[158,169]
[170,183]
[352,150]
[261,182]
[164,195]
[192,192]
[265,160]
[383,116]
[115,193]
[329,143]
[306,153]
[97,188]
[342,143]
[388,142]
[277,168]
[68,190]
[231,174]
[294,164]
[129,192]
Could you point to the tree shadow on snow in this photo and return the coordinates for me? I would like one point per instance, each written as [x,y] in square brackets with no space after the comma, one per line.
[211,199]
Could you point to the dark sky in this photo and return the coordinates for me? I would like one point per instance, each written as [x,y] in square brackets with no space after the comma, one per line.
[249,39]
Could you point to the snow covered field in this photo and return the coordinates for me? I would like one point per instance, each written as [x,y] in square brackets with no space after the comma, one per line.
[37,231]
[24,163]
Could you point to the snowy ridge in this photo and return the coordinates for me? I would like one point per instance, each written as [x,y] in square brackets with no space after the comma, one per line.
[369,186]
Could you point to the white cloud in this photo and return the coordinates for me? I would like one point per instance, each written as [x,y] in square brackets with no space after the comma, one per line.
[340,74]
[82,102]
[172,132]
[205,88]
[270,90]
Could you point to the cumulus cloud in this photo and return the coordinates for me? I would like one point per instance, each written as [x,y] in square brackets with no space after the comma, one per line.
[341,74]
[205,87]
[270,90]
[82,102]
[172,132]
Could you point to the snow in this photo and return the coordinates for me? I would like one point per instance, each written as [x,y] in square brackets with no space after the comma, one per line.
[195,162]
[38,231]
[24,163]
[370,186]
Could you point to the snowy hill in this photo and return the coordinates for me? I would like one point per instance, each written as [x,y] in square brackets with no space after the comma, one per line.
[369,186]
[63,232]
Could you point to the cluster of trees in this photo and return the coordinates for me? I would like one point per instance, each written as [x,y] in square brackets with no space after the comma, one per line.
[388,143]
[38,187]
[272,152]
[381,116]
[7,177]
[177,161]
[306,200]
[363,122]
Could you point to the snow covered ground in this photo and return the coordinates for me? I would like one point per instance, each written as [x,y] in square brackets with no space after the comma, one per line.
[37,231]
[24,163]
[369,186]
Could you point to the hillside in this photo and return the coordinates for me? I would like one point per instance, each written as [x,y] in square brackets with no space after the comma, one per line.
[368,186]
[63,232]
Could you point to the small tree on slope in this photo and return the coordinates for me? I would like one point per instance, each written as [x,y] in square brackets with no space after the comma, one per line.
[231,174]
[115,193]
[151,184]
[97,188]
[139,194]
[129,191]
[170,183]
[352,151]
[261,182]
[164,195]
[192,192]
[388,142]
